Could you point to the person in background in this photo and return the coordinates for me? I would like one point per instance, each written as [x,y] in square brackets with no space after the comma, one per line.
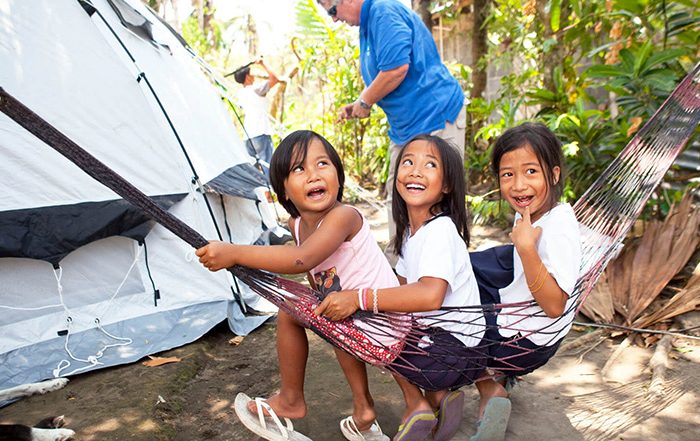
[253,100]
[404,75]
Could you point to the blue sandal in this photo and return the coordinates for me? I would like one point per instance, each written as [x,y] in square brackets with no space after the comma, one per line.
[492,426]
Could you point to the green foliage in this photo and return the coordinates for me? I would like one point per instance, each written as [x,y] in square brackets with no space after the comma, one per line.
[666,198]
[485,209]
[592,70]
[641,80]
[589,142]
[615,64]
[330,75]
[205,42]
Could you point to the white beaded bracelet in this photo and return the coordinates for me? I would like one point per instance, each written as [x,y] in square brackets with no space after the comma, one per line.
[375,309]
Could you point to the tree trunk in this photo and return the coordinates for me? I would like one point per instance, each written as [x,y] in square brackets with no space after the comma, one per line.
[156,5]
[207,15]
[421,8]
[176,14]
[479,50]
[199,11]
[252,37]
[479,47]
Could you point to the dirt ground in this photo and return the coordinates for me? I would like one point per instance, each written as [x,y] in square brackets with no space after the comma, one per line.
[193,399]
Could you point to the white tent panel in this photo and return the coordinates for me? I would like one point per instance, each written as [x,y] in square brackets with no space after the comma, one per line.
[64,65]
[214,137]
[60,66]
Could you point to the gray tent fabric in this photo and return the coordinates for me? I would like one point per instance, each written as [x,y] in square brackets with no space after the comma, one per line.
[85,299]
[132,19]
[241,180]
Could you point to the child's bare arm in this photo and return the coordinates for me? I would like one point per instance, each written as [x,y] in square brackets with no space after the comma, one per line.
[339,224]
[427,294]
[217,255]
[543,286]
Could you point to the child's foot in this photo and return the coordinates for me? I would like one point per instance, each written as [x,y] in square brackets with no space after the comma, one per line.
[494,422]
[273,427]
[417,426]
[419,407]
[364,420]
[282,407]
[489,389]
[449,413]
[353,432]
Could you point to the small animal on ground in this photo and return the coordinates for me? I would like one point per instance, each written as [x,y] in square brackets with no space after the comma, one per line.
[48,429]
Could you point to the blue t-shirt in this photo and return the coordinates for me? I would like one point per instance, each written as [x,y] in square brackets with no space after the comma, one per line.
[392,35]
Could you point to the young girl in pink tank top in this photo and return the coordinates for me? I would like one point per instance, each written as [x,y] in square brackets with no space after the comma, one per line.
[335,247]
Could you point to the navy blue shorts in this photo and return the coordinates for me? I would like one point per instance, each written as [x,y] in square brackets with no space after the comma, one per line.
[515,355]
[445,364]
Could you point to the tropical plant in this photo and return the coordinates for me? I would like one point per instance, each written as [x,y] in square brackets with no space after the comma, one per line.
[592,70]
[205,38]
[643,78]
[330,70]
[489,208]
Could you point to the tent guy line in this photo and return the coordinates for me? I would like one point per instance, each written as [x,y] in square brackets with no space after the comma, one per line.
[70,65]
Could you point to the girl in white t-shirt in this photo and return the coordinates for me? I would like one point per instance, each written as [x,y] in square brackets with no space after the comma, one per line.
[541,265]
[443,351]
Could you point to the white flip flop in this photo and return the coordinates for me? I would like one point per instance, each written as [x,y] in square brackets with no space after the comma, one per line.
[267,427]
[352,433]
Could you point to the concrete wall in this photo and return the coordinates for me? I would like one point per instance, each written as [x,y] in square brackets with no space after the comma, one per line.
[453,39]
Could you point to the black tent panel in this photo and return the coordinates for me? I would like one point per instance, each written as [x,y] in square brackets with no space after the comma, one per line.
[133,20]
[240,180]
[50,233]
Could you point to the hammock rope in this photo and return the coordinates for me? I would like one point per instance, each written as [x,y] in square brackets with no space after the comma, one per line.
[605,212]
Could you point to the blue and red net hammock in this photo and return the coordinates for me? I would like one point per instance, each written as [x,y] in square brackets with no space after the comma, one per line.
[606,212]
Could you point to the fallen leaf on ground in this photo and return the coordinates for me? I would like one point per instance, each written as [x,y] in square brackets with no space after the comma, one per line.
[158,361]
[235,341]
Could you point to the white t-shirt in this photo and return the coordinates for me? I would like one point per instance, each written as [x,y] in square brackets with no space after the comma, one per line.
[559,247]
[254,103]
[437,250]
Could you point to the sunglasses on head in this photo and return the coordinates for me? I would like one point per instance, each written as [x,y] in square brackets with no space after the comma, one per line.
[333,10]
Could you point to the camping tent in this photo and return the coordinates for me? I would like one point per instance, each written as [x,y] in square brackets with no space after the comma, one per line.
[86,281]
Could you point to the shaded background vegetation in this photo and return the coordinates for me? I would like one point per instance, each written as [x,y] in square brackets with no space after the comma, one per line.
[592,70]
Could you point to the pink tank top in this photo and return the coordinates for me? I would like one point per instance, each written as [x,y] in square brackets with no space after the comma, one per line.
[358,263]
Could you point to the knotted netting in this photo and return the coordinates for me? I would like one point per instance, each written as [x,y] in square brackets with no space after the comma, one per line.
[606,212]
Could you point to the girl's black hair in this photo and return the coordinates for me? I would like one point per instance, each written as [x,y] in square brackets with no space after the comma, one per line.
[544,144]
[452,203]
[291,152]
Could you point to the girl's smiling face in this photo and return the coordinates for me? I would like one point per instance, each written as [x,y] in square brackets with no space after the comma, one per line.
[312,183]
[419,180]
[523,183]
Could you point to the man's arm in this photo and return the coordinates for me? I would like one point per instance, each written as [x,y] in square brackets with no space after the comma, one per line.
[272,77]
[384,83]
